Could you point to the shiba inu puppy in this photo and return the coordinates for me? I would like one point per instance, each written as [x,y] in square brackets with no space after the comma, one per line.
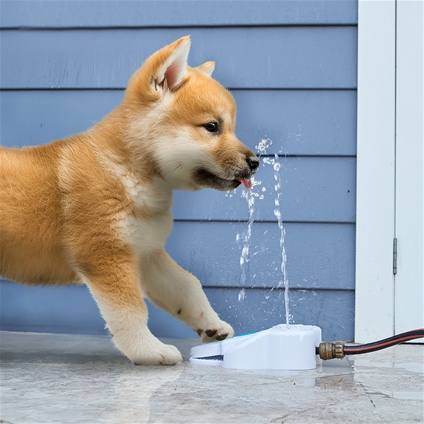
[95,208]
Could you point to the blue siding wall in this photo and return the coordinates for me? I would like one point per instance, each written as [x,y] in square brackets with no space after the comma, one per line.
[291,66]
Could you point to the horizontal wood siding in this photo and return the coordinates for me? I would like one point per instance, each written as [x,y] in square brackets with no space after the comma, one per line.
[322,57]
[299,122]
[291,66]
[171,13]
[72,310]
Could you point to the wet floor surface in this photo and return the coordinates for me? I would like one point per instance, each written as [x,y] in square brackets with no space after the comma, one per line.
[83,379]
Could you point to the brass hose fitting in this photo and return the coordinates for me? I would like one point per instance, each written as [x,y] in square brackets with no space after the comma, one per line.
[331,350]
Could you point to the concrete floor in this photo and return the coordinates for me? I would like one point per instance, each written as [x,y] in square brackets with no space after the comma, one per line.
[49,378]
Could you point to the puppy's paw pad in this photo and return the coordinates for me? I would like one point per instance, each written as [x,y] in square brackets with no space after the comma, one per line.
[223,332]
[222,336]
[210,333]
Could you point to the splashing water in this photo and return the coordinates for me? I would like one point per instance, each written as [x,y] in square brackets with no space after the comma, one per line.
[250,196]
[263,146]
[274,162]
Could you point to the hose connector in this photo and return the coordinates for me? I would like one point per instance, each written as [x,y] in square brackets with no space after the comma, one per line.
[331,350]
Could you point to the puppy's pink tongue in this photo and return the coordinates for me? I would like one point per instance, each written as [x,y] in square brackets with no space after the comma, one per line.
[247,183]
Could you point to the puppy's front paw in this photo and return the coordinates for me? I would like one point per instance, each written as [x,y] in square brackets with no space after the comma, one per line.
[162,354]
[217,332]
[146,349]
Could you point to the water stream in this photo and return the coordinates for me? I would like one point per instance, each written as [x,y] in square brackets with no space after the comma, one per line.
[247,236]
[277,213]
[250,196]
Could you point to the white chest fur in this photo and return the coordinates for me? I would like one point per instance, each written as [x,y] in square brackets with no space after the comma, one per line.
[147,235]
[149,222]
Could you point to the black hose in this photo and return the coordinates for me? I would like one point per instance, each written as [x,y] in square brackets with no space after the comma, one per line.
[382,344]
[330,350]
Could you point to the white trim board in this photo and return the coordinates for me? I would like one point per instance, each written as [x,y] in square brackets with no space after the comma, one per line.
[389,169]
[374,296]
[409,286]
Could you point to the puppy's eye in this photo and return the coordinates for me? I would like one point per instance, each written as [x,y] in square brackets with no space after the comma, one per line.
[212,127]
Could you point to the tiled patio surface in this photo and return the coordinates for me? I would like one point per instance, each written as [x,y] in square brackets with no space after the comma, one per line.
[50,378]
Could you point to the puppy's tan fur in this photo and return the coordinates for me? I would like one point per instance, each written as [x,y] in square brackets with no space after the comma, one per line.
[95,208]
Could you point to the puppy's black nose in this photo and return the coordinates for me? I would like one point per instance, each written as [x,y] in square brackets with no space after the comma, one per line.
[253,163]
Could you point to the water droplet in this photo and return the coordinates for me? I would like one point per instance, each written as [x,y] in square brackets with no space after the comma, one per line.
[241,295]
[263,145]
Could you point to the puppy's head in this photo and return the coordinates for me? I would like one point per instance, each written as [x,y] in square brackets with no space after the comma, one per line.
[184,121]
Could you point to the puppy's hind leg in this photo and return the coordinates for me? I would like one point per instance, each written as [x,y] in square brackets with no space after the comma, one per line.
[180,294]
[114,283]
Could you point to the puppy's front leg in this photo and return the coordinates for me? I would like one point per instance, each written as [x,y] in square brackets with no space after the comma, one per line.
[114,283]
[180,294]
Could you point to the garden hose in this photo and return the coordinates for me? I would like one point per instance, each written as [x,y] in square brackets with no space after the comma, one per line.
[331,350]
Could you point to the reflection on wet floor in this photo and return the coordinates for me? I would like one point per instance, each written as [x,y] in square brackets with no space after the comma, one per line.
[80,379]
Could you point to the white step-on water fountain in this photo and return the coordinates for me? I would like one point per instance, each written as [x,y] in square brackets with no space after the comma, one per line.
[283,347]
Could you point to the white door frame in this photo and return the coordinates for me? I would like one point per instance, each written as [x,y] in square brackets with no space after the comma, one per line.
[409,285]
[374,290]
[377,305]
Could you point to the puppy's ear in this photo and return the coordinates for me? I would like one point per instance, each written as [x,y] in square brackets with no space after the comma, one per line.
[162,71]
[174,69]
[207,67]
